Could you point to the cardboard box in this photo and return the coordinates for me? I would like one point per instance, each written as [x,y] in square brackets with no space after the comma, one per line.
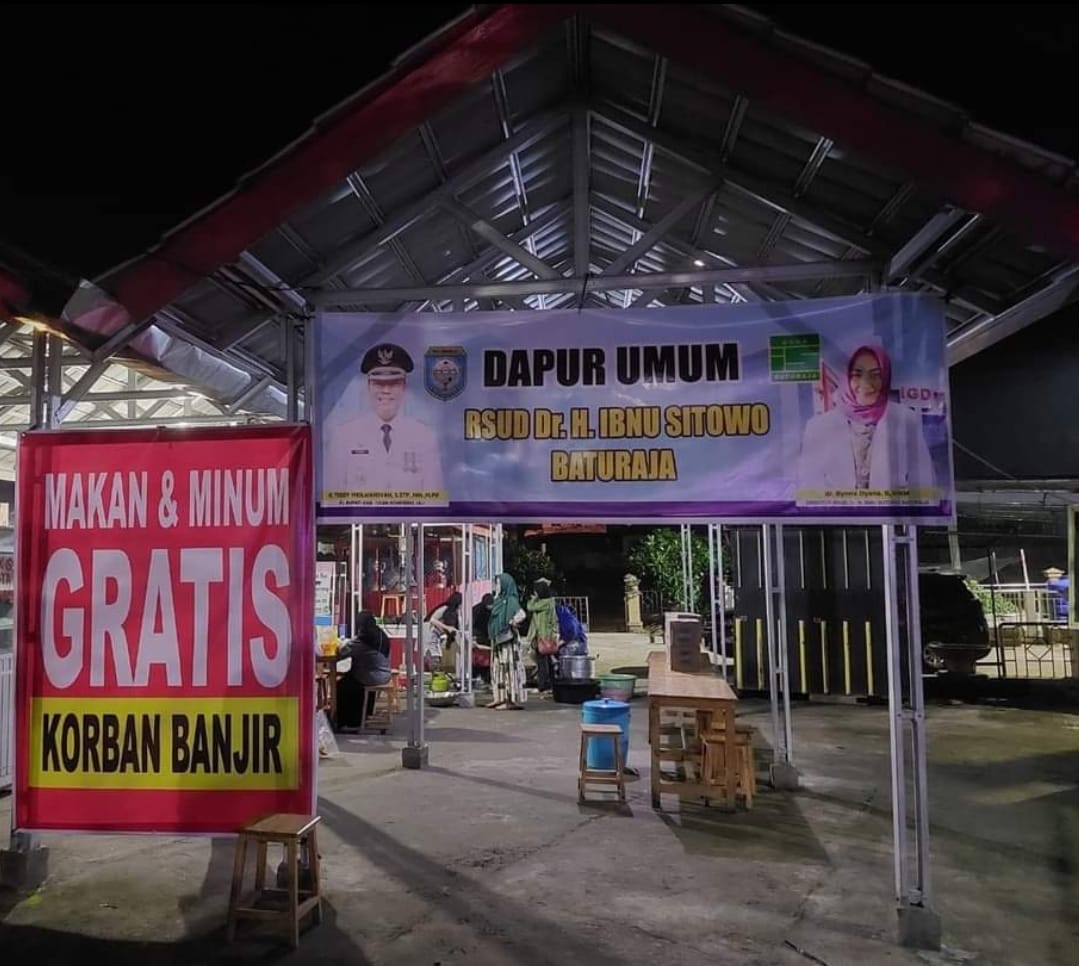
[683,634]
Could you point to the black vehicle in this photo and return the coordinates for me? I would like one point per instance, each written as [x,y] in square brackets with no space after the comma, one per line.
[955,635]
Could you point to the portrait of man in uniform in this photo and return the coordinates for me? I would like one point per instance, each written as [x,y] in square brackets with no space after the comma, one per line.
[383,450]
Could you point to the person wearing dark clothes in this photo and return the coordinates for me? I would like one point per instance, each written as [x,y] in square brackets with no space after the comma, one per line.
[481,639]
[370,653]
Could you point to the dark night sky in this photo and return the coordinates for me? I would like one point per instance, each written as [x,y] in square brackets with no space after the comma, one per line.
[121,121]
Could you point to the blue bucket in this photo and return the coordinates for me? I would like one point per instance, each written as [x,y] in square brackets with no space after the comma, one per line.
[606,711]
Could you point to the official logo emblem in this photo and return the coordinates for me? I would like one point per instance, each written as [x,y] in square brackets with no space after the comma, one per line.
[385,356]
[445,370]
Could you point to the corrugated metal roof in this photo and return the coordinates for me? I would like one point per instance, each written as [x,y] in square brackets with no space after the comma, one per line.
[772,191]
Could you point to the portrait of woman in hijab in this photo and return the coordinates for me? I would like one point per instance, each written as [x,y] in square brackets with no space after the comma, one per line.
[868,441]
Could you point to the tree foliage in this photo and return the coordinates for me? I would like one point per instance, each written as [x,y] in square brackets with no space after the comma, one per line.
[657,559]
[527,564]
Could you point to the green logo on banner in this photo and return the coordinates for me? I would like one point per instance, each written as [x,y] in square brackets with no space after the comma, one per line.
[794,358]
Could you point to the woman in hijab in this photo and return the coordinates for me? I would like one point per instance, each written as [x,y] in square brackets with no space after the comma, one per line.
[370,653]
[507,667]
[867,441]
[543,631]
[481,638]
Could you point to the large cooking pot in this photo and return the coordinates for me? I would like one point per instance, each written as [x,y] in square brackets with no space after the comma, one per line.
[576,667]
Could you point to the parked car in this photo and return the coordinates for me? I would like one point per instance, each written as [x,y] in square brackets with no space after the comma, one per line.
[955,635]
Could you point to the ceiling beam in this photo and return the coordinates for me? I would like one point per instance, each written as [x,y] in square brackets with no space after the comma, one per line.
[464,55]
[582,172]
[654,235]
[976,336]
[923,240]
[490,234]
[644,280]
[813,97]
[704,160]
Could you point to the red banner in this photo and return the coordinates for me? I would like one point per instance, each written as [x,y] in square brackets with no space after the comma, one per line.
[164,651]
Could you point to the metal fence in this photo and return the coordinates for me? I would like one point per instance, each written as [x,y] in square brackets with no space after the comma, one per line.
[579,606]
[1020,603]
[1031,649]
[7,719]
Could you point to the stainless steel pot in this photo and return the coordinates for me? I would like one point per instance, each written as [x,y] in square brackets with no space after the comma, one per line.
[576,667]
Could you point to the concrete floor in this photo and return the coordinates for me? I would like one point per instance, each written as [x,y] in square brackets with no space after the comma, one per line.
[486,857]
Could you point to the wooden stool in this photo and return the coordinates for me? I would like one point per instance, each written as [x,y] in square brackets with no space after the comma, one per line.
[381,715]
[586,776]
[714,761]
[293,832]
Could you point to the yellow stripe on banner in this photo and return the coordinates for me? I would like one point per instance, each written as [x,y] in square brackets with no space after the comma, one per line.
[869,656]
[846,657]
[760,654]
[176,744]
[738,665]
[824,653]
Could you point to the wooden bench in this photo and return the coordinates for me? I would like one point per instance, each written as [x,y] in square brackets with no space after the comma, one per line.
[296,833]
[585,777]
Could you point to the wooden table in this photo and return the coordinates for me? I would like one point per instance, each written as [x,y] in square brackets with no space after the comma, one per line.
[326,670]
[702,692]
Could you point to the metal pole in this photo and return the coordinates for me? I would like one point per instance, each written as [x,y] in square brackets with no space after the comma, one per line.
[691,589]
[405,547]
[293,400]
[722,597]
[54,383]
[422,610]
[783,651]
[357,575]
[37,379]
[895,711]
[465,649]
[685,573]
[712,588]
[770,631]
[922,891]
[919,924]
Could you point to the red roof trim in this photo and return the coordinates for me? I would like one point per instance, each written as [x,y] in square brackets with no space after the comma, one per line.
[328,156]
[1031,206]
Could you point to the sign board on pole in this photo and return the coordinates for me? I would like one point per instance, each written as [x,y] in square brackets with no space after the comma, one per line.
[822,411]
[164,649]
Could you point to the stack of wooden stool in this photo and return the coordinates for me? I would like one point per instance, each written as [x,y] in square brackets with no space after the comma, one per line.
[714,760]
[296,833]
[585,776]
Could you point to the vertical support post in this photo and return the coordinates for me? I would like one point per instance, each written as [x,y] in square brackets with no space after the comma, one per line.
[24,863]
[722,583]
[782,647]
[714,619]
[357,575]
[770,632]
[468,560]
[783,773]
[39,347]
[292,412]
[919,924]
[687,598]
[955,555]
[414,754]
[496,551]
[404,546]
[54,385]
[421,608]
